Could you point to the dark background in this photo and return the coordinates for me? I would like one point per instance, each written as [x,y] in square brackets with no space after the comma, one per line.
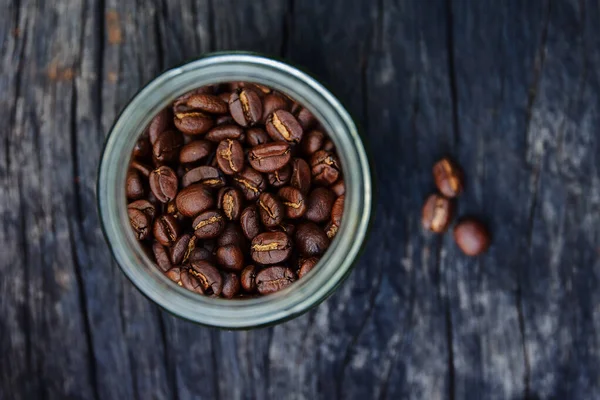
[509,88]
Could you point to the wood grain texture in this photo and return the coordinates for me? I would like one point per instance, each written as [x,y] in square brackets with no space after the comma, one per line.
[511,89]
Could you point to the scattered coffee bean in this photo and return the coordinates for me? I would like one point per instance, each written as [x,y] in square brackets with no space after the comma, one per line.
[437,213]
[472,237]
[448,177]
[273,279]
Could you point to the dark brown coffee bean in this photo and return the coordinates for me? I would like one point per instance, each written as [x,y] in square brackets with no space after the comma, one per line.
[337,211]
[163,183]
[293,201]
[286,227]
[448,177]
[192,121]
[325,168]
[311,240]
[174,274]
[329,146]
[193,200]
[183,246]
[306,265]
[232,234]
[472,237]
[301,175]
[271,210]
[230,156]
[208,103]
[223,132]
[271,247]
[161,256]
[338,188]
[281,177]
[305,118]
[142,148]
[437,213]
[269,157]
[230,257]
[256,136]
[134,187]
[159,124]
[246,107]
[282,126]
[225,96]
[166,147]
[144,206]
[224,120]
[250,182]
[208,225]
[140,223]
[200,254]
[210,278]
[248,278]
[273,102]
[195,151]
[250,222]
[312,142]
[272,279]
[190,282]
[319,204]
[141,168]
[166,230]
[231,285]
[230,201]
[331,230]
[209,177]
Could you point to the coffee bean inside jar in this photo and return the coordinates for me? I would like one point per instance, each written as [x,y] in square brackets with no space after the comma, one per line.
[241,193]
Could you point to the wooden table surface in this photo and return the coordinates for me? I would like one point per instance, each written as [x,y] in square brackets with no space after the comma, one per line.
[510,88]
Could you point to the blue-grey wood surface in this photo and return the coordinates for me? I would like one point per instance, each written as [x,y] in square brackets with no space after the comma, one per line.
[509,88]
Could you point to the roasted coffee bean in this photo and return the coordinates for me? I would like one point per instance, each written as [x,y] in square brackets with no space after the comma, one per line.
[230,257]
[338,188]
[248,278]
[283,126]
[223,132]
[281,177]
[166,230]
[305,118]
[183,246]
[312,142]
[271,248]
[208,103]
[273,102]
[271,210]
[209,224]
[174,274]
[273,279]
[230,156]
[192,121]
[250,222]
[200,254]
[159,124]
[166,147]
[448,177]
[195,151]
[231,285]
[286,227]
[161,256]
[293,201]
[437,213]
[163,183]
[301,175]
[140,223]
[250,182]
[225,96]
[224,120]
[337,210]
[472,237]
[306,265]
[190,282]
[329,146]
[232,234]
[230,201]
[319,205]
[331,230]
[134,187]
[256,136]
[311,240]
[142,148]
[269,157]
[246,107]
[141,168]
[210,177]
[144,206]
[193,200]
[209,277]
[324,167]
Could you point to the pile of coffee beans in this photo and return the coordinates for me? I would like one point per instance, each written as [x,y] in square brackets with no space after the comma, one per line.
[470,235]
[235,190]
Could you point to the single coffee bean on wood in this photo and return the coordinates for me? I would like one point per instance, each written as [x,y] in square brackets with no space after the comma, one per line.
[448,177]
[472,237]
[437,213]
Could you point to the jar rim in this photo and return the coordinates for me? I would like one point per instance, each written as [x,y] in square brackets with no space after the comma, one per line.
[334,265]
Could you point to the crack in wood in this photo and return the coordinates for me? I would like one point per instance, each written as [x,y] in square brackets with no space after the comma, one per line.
[451,67]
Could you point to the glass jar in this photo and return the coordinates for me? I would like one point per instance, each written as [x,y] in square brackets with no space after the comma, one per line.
[336,263]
